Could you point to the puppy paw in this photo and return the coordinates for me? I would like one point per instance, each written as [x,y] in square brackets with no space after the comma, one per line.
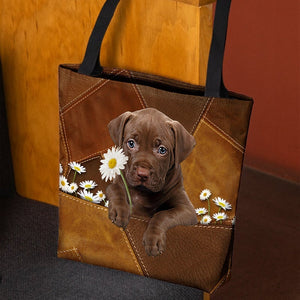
[119,215]
[154,242]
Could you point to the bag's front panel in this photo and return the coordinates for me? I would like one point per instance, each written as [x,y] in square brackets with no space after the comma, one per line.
[219,127]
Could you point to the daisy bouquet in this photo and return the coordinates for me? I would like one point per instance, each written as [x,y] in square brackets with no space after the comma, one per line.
[218,201]
[86,185]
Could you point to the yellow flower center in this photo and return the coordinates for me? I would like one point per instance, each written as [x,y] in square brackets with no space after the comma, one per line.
[112,163]
[77,169]
[101,195]
[222,204]
[88,198]
[88,186]
[204,194]
[220,217]
[63,183]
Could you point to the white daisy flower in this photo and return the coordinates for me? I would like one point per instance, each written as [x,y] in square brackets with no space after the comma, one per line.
[206,220]
[205,194]
[114,161]
[222,203]
[60,169]
[77,167]
[101,195]
[233,220]
[201,211]
[88,184]
[72,188]
[220,216]
[63,183]
[86,195]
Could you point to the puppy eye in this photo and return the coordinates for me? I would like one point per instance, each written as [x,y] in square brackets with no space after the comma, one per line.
[162,150]
[131,144]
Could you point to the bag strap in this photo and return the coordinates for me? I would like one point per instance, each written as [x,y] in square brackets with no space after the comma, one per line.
[90,65]
[214,86]
[214,80]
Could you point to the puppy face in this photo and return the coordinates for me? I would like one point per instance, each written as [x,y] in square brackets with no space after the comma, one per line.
[154,144]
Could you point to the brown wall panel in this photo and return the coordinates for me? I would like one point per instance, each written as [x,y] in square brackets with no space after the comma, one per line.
[263,60]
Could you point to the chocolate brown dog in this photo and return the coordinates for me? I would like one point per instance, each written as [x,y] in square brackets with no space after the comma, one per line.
[155,146]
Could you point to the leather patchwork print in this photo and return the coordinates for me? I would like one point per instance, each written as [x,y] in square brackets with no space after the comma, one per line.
[87,105]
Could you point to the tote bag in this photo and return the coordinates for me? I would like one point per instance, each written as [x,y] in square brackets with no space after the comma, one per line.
[90,96]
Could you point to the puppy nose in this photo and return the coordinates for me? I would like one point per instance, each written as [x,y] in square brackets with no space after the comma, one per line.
[142,173]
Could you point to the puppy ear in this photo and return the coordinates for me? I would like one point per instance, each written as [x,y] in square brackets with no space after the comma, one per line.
[116,127]
[184,142]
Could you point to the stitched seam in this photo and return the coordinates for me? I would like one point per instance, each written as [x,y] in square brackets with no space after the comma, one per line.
[204,114]
[212,227]
[137,253]
[132,217]
[90,88]
[197,225]
[62,136]
[141,94]
[200,115]
[85,97]
[140,271]
[226,134]
[65,135]
[208,108]
[73,250]
[91,156]
[96,206]
[222,136]
[123,234]
[90,159]
[81,94]
[90,93]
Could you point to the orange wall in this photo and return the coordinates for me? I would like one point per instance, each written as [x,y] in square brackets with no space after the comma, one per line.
[262,60]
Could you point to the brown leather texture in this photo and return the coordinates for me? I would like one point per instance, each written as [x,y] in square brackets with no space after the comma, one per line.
[197,256]
[87,235]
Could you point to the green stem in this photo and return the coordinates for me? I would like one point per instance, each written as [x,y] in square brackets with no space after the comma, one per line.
[74,176]
[127,190]
[208,206]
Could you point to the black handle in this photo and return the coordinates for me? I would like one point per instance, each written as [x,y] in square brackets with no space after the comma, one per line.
[214,80]
[90,65]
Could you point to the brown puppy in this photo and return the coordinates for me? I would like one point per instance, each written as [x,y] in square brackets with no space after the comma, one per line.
[155,146]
